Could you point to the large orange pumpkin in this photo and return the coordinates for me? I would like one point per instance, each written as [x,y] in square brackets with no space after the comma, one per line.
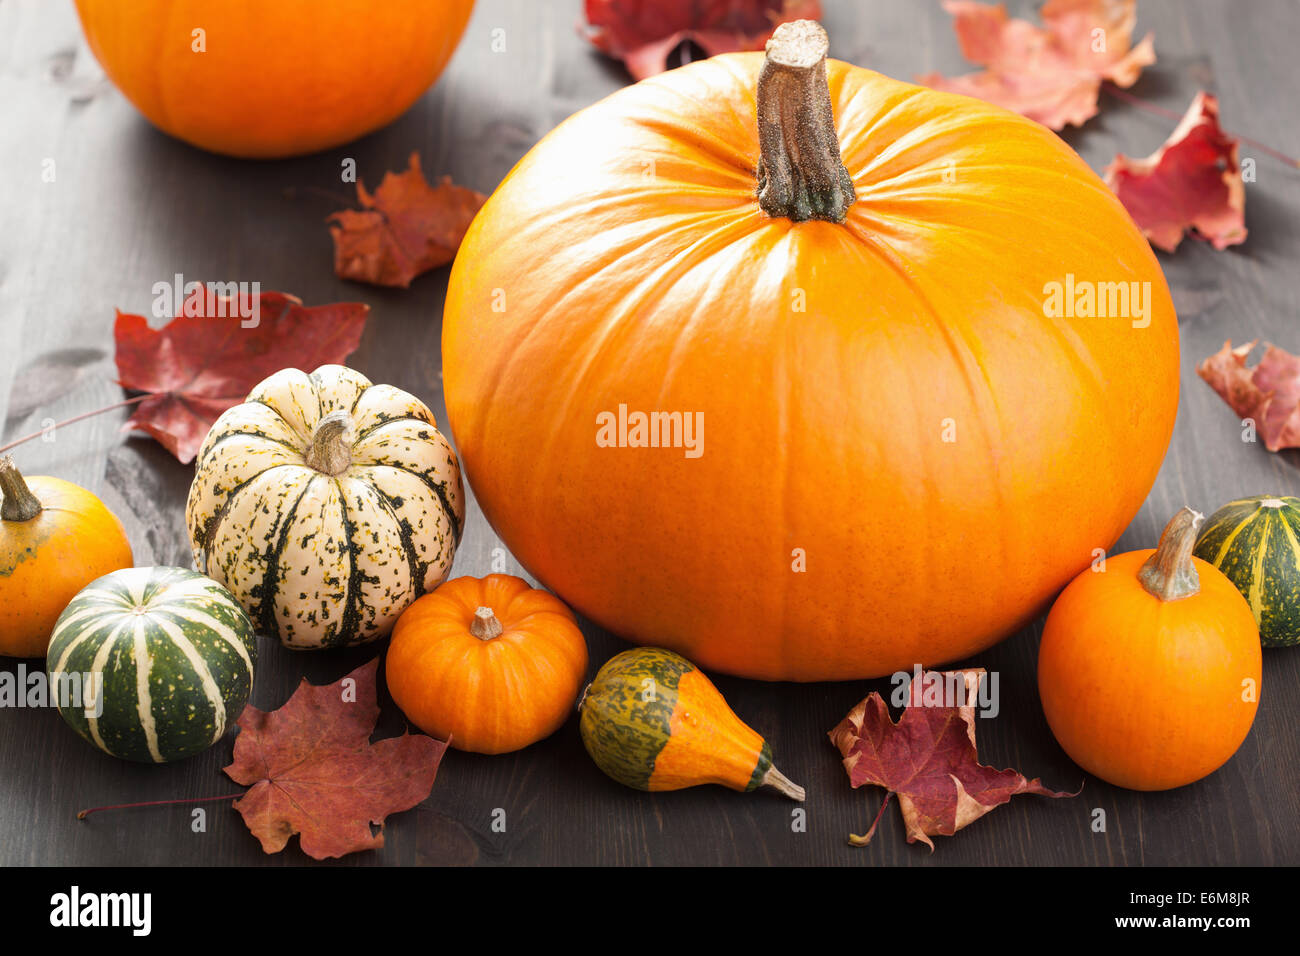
[275,78]
[903,455]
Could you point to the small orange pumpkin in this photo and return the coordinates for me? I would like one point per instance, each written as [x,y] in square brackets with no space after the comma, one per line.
[1149,670]
[55,538]
[491,663]
[267,80]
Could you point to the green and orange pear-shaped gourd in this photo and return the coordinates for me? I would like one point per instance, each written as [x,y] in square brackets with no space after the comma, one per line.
[653,721]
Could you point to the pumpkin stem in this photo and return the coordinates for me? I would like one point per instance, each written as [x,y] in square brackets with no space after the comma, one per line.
[19,502]
[1169,574]
[780,782]
[330,448]
[800,173]
[485,625]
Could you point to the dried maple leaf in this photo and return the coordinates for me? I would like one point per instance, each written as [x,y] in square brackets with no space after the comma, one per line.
[1052,73]
[208,358]
[1268,394]
[642,33]
[312,770]
[1193,182]
[407,227]
[928,759]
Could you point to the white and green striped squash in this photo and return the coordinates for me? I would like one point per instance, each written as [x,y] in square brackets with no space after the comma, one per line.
[169,655]
[326,504]
[1256,543]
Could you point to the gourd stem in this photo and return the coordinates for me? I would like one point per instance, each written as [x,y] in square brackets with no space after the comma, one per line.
[800,173]
[19,503]
[330,448]
[485,625]
[1169,574]
[780,782]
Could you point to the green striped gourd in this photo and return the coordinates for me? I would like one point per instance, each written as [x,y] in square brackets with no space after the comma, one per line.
[169,654]
[651,720]
[1256,543]
[326,504]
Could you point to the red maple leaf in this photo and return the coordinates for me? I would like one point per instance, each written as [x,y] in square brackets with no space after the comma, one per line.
[642,33]
[1191,183]
[407,227]
[1268,394]
[208,358]
[312,770]
[1052,73]
[928,759]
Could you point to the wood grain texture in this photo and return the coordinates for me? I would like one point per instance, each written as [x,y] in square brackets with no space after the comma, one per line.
[130,207]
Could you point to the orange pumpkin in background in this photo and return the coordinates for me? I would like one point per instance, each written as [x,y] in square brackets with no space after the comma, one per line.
[272,79]
[903,444]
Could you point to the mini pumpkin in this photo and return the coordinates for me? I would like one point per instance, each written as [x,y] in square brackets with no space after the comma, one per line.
[490,663]
[326,504]
[1149,668]
[55,538]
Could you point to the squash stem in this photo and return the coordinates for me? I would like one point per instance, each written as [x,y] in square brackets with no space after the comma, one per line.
[485,625]
[800,173]
[330,448]
[780,782]
[19,503]
[1169,574]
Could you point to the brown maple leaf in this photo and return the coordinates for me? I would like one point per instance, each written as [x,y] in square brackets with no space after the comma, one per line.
[642,33]
[208,358]
[928,759]
[1191,183]
[1268,394]
[311,769]
[407,228]
[1053,73]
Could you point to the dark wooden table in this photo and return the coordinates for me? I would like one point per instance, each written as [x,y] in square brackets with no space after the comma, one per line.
[130,207]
